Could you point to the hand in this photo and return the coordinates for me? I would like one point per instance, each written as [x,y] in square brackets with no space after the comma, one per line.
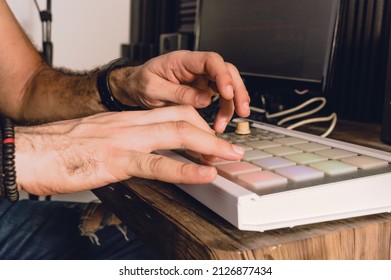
[76,155]
[185,77]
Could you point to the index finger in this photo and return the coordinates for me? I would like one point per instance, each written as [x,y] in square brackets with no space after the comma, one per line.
[226,76]
[214,66]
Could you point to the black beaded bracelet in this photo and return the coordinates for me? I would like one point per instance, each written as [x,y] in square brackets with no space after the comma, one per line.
[2,189]
[9,186]
[104,89]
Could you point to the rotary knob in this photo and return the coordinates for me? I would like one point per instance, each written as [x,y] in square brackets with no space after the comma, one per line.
[242,128]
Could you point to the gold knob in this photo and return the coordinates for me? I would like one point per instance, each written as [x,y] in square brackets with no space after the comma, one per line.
[242,128]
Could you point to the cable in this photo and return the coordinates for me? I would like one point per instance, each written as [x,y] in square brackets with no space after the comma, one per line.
[294,109]
[301,92]
[304,114]
[332,117]
[258,110]
[322,100]
[215,97]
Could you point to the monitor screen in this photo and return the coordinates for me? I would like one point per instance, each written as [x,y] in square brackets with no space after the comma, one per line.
[276,39]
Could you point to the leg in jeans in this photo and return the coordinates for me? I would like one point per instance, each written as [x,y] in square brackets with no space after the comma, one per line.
[62,230]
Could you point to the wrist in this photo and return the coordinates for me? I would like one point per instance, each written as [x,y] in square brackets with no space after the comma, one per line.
[24,153]
[106,86]
[120,84]
[39,154]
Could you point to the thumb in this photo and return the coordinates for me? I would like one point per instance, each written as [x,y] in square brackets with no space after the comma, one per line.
[185,95]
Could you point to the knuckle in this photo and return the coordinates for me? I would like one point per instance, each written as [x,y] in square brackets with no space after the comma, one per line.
[213,55]
[177,53]
[180,171]
[187,110]
[185,113]
[155,165]
[181,127]
[181,132]
[181,93]
[231,67]
[219,143]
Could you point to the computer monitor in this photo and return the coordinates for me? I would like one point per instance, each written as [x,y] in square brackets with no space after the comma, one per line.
[275,40]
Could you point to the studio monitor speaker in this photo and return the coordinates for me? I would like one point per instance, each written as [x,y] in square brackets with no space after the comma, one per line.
[386,119]
[386,123]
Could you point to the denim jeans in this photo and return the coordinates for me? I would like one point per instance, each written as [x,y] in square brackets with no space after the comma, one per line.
[51,230]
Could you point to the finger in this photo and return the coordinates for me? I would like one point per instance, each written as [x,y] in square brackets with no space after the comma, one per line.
[183,135]
[224,115]
[241,96]
[227,78]
[157,167]
[184,94]
[158,115]
[213,65]
[174,114]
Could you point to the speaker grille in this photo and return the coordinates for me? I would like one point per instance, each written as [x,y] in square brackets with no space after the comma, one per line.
[187,14]
[357,88]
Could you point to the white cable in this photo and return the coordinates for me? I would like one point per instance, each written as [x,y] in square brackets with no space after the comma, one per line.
[304,114]
[258,110]
[332,117]
[215,97]
[331,127]
[301,92]
[294,109]
[236,120]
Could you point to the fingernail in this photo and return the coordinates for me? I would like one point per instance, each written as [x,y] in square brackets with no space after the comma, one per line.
[223,123]
[230,91]
[238,149]
[246,106]
[203,99]
[205,170]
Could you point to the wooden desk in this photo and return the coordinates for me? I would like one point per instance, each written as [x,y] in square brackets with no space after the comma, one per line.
[179,227]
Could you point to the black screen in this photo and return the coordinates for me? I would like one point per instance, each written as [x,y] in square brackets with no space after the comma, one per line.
[278,39]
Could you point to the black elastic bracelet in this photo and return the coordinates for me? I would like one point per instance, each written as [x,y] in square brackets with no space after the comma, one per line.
[10,188]
[104,90]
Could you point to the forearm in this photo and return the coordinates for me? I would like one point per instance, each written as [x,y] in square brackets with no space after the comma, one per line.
[32,92]
[56,94]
